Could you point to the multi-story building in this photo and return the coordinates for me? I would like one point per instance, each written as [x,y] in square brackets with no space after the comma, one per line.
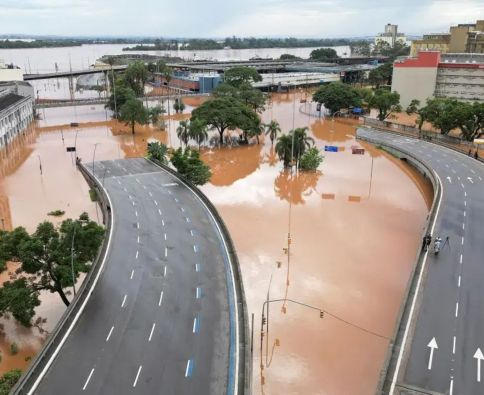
[391,36]
[16,114]
[430,74]
[463,38]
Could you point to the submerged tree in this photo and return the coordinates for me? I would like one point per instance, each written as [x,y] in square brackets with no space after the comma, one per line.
[182,132]
[272,130]
[133,112]
[45,261]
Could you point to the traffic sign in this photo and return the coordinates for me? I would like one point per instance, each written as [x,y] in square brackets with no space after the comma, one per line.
[331,148]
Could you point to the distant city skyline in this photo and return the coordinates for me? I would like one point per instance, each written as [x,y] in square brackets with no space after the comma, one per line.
[222,18]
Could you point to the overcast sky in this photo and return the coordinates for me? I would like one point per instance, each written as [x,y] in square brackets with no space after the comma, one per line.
[221,18]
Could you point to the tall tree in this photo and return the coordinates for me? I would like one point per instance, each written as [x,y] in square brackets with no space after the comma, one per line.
[136,76]
[382,75]
[336,96]
[155,113]
[284,149]
[45,260]
[222,113]
[239,76]
[443,114]
[133,112]
[197,131]
[182,132]
[302,142]
[120,95]
[272,130]
[386,103]
[323,54]
[470,119]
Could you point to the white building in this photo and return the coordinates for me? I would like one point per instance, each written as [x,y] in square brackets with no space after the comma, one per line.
[16,114]
[391,36]
[10,72]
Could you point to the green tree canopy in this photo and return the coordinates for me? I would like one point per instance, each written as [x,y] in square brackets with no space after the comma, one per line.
[336,96]
[272,130]
[188,163]
[121,94]
[222,113]
[157,151]
[133,112]
[241,75]
[311,159]
[382,75]
[182,132]
[154,113]
[197,131]
[284,146]
[385,102]
[8,380]
[45,261]
[136,76]
[323,54]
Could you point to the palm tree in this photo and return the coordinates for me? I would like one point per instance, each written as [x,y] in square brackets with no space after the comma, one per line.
[197,131]
[182,132]
[272,129]
[284,148]
[301,142]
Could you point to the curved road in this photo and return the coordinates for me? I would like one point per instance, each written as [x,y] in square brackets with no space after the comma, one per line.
[159,320]
[444,352]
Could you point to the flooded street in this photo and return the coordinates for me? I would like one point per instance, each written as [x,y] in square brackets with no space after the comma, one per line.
[355,226]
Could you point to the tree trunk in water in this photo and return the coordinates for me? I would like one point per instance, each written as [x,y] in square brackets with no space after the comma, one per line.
[63,296]
[132,127]
[221,138]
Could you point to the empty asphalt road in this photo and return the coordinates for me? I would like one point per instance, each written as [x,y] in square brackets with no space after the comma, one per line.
[444,352]
[160,319]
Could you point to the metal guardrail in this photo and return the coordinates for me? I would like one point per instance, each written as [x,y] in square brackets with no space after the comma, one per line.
[27,380]
[245,358]
[432,137]
[403,315]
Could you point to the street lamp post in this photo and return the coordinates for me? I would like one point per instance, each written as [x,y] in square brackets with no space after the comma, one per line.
[93,156]
[265,320]
[40,164]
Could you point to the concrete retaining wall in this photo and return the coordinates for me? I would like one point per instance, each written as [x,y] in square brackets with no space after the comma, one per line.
[389,366]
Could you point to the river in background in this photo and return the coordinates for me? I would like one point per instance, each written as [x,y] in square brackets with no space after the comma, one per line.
[355,226]
[43,60]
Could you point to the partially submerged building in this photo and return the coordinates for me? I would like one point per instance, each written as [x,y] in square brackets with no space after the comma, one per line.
[16,110]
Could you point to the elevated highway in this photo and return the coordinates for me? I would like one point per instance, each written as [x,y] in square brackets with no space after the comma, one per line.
[165,316]
[439,349]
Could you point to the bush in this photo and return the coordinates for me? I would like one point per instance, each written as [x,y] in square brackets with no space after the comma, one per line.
[311,159]
[8,380]
[190,166]
[157,152]
[93,195]
[14,348]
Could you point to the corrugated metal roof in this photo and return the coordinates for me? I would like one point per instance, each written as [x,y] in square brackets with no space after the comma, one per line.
[9,99]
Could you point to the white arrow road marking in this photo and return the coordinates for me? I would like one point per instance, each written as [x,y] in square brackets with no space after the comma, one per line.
[479,356]
[470,180]
[449,179]
[433,345]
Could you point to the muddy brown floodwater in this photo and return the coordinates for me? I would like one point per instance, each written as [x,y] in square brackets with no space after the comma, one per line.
[355,226]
